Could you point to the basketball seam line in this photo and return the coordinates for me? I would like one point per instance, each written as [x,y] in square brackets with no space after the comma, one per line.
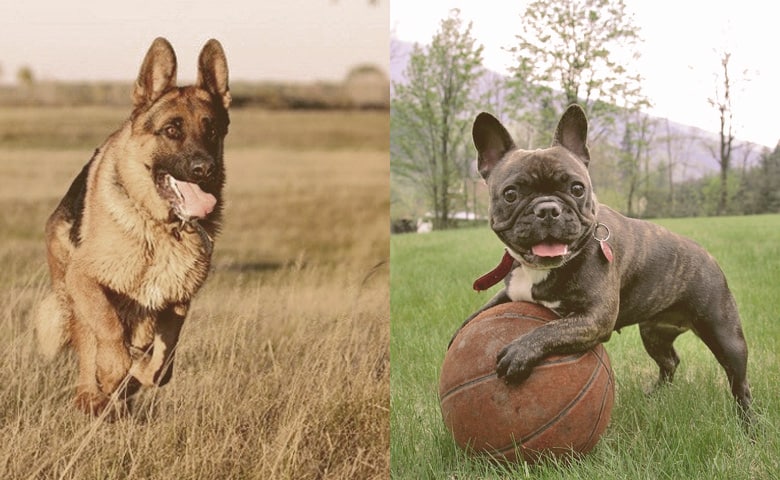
[603,398]
[557,417]
[567,359]
[510,315]
[516,315]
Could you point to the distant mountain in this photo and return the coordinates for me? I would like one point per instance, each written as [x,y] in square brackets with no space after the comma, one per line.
[399,57]
[691,148]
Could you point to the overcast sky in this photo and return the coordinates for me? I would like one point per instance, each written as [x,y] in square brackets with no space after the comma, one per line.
[678,58]
[264,40]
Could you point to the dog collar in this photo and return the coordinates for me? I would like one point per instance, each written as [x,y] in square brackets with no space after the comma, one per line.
[602,238]
[496,275]
[601,234]
[206,240]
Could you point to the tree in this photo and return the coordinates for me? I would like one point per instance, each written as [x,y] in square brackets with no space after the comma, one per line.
[760,190]
[25,76]
[633,149]
[722,102]
[431,113]
[677,148]
[574,51]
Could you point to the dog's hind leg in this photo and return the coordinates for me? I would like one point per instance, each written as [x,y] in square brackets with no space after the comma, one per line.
[721,331]
[54,315]
[658,338]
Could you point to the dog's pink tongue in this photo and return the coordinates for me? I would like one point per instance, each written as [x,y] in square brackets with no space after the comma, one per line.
[550,249]
[197,203]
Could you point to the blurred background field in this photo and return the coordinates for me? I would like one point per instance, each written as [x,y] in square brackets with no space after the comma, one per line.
[283,367]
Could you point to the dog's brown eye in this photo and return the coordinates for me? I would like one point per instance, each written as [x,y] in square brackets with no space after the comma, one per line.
[172,131]
[209,130]
[577,189]
[510,194]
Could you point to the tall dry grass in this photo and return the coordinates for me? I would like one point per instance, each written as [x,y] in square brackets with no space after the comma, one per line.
[283,366]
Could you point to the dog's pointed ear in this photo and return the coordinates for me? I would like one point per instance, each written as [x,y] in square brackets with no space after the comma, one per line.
[572,132]
[213,71]
[492,142]
[157,75]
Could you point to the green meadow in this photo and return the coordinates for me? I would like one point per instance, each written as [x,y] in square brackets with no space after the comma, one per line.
[688,430]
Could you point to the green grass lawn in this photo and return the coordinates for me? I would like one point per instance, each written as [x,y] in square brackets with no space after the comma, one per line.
[689,430]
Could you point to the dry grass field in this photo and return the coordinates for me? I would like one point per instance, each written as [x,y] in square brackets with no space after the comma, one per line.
[283,367]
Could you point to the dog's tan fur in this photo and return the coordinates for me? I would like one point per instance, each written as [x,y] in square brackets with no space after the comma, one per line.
[123,268]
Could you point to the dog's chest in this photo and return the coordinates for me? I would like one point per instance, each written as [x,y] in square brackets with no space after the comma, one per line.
[173,273]
[520,286]
[154,273]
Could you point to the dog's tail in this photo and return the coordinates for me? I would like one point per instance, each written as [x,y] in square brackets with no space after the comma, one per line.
[51,326]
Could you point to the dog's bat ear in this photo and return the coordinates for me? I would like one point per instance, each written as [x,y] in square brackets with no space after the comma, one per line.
[572,132]
[492,142]
[157,75]
[213,71]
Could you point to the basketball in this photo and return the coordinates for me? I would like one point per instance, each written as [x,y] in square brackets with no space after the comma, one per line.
[560,410]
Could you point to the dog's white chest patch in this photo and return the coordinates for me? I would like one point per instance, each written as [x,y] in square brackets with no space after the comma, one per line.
[521,282]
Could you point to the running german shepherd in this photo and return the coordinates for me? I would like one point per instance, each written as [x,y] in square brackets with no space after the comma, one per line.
[130,243]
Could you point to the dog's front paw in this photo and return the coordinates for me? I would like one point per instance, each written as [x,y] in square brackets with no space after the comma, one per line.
[515,362]
[96,404]
[91,403]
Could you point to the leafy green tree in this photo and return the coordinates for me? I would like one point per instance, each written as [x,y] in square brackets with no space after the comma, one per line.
[430,115]
[634,157]
[580,51]
[575,51]
[760,192]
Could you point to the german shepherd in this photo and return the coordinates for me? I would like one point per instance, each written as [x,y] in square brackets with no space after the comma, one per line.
[130,243]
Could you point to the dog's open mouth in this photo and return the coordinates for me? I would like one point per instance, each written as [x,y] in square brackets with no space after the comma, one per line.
[187,199]
[550,249]
[546,254]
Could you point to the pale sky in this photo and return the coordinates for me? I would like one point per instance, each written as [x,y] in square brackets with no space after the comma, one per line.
[678,53]
[301,40]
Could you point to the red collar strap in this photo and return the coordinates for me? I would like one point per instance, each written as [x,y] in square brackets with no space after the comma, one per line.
[502,270]
[496,275]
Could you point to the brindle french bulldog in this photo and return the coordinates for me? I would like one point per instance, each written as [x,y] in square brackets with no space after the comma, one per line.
[598,270]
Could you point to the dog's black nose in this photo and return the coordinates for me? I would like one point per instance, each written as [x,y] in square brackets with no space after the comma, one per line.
[547,210]
[202,168]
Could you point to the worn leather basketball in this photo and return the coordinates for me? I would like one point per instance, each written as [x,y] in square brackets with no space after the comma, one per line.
[560,410]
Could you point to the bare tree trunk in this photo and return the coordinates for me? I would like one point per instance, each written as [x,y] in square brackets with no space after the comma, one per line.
[726,133]
[670,169]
